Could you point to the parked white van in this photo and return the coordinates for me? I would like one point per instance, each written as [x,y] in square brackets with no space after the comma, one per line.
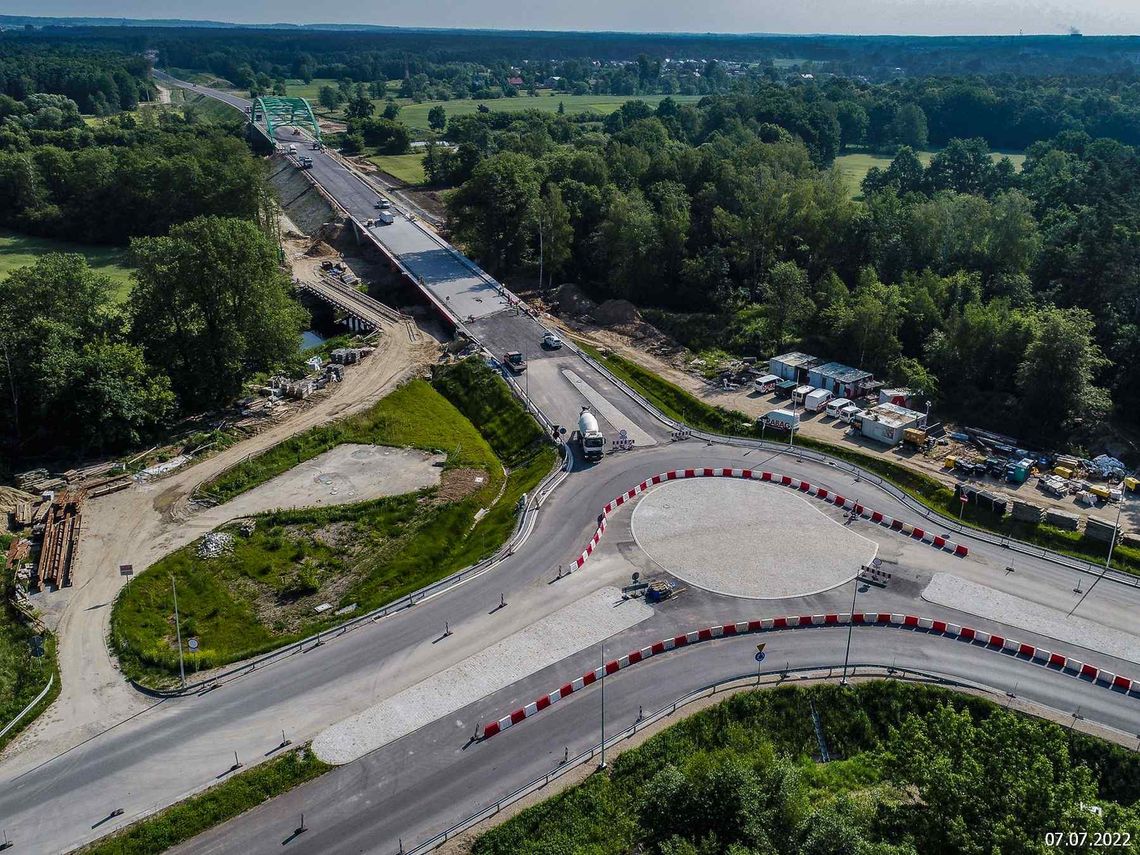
[835,405]
[817,400]
[850,413]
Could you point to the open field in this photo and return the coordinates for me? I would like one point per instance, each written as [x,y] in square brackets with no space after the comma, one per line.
[17,250]
[855,166]
[415,115]
[262,590]
[409,168]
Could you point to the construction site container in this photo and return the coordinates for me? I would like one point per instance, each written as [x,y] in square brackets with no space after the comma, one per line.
[914,436]
[1131,483]
[1063,471]
[948,461]
[1100,492]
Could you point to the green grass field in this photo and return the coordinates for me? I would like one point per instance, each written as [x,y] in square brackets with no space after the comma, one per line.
[415,115]
[409,168]
[855,166]
[17,250]
[261,595]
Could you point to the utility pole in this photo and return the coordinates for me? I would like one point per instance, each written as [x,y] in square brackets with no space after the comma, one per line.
[178,633]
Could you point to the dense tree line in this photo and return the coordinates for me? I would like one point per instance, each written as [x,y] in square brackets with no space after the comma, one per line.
[911,770]
[100,82]
[132,175]
[210,307]
[1008,296]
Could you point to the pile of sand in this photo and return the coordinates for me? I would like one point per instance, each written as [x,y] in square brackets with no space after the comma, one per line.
[320,249]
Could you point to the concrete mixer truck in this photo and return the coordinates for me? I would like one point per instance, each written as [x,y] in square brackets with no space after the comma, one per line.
[589,437]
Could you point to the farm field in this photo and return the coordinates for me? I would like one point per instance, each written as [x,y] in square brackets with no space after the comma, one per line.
[17,250]
[409,168]
[855,166]
[415,115]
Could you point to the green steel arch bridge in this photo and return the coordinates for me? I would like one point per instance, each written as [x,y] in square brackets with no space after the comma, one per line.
[277,110]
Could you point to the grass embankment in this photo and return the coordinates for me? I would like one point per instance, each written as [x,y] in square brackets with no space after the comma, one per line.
[409,168]
[22,675]
[261,595]
[238,794]
[682,406]
[914,767]
[17,250]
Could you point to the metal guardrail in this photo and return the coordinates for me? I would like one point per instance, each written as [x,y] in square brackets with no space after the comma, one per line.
[877,481]
[29,707]
[742,681]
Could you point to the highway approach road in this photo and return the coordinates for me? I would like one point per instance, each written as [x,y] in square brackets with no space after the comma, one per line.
[431,773]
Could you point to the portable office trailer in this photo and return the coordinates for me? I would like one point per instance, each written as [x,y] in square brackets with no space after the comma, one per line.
[886,423]
[840,379]
[792,366]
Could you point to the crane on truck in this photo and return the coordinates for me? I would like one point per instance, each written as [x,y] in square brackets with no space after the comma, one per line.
[589,437]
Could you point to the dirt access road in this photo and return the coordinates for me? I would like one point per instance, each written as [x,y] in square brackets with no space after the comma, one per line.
[140,525]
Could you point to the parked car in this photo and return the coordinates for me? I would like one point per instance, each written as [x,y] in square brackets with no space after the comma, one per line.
[551,342]
[836,405]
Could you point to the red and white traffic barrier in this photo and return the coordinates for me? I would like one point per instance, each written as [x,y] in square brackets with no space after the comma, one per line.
[1046,658]
[824,495]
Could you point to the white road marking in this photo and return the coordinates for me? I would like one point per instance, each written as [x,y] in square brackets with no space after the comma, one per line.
[955,592]
[608,411]
[567,631]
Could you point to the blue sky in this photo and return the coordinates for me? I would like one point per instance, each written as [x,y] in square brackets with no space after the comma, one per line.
[927,17]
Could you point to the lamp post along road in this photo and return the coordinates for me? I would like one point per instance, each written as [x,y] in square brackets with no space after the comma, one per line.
[850,628]
[178,633]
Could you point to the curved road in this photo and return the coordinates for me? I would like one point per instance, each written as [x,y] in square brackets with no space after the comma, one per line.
[415,786]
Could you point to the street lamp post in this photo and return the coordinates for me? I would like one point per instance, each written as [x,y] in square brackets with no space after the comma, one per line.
[178,633]
[1111,547]
[850,628]
[602,764]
